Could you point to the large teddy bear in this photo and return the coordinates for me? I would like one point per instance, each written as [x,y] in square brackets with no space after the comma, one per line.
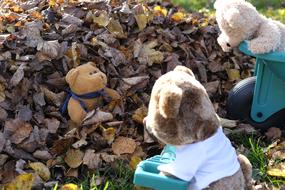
[181,114]
[239,20]
[87,91]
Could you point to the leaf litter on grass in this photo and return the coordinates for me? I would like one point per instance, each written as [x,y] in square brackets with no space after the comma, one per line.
[133,43]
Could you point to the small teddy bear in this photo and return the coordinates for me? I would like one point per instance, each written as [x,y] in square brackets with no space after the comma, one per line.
[87,91]
[181,114]
[239,20]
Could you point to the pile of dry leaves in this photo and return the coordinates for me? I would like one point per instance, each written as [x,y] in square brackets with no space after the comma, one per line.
[133,43]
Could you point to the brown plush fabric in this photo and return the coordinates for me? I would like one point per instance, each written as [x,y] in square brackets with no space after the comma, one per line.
[84,79]
[180,112]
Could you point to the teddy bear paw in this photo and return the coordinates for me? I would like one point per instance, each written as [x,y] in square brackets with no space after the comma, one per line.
[259,48]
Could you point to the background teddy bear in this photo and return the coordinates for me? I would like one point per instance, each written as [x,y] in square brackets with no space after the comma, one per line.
[181,114]
[239,20]
[88,90]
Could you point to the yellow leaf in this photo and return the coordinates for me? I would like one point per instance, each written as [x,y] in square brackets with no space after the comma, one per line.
[276,172]
[2,93]
[109,134]
[158,10]
[69,186]
[36,15]
[233,74]
[73,55]
[135,160]
[41,169]
[52,3]
[19,24]
[147,53]
[94,41]
[21,182]
[142,21]
[140,114]
[178,16]
[116,28]
[16,9]
[74,158]
[102,19]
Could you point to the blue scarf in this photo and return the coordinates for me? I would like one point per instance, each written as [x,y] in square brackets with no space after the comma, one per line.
[77,97]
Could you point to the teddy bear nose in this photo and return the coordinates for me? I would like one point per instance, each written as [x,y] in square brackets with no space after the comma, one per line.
[229,45]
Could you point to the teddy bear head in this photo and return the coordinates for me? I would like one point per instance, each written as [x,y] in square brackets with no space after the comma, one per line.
[86,78]
[180,111]
[238,20]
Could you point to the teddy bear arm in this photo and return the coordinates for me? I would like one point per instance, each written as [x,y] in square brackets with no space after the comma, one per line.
[268,39]
[112,94]
[75,111]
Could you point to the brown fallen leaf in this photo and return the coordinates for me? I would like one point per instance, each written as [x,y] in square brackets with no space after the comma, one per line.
[72,172]
[3,159]
[74,158]
[61,145]
[108,158]
[273,133]
[52,125]
[2,141]
[212,87]
[49,48]
[146,53]
[52,97]
[17,130]
[73,55]
[92,160]
[80,143]
[70,19]
[18,75]
[140,114]
[123,145]
[96,116]
[42,155]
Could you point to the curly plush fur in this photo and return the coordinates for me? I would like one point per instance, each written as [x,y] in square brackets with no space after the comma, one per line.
[180,112]
[239,20]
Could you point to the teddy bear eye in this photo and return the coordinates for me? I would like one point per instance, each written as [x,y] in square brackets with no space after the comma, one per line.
[228,45]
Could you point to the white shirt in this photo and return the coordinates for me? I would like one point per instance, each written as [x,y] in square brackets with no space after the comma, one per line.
[204,162]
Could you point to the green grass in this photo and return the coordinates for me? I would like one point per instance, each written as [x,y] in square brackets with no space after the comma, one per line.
[256,154]
[118,176]
[270,8]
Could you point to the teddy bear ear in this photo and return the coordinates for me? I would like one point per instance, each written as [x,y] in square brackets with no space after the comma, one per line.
[71,76]
[184,69]
[234,18]
[169,101]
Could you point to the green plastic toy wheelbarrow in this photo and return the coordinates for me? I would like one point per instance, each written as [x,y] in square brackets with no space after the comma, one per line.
[147,175]
[260,100]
